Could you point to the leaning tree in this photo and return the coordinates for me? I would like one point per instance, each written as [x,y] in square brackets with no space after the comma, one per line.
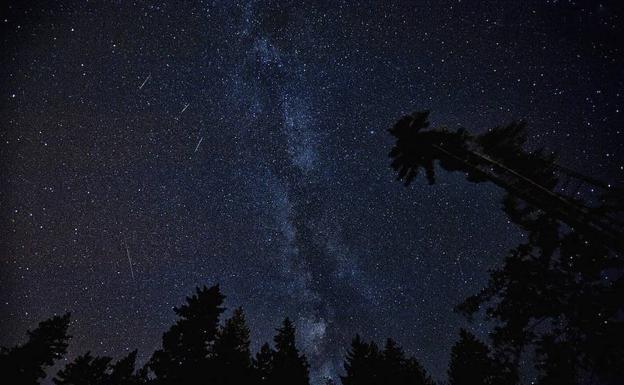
[560,292]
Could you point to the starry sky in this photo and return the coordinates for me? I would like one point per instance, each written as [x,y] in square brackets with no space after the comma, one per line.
[150,147]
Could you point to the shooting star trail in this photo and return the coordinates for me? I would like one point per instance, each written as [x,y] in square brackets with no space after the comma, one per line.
[181,112]
[129,260]
[198,143]
[145,81]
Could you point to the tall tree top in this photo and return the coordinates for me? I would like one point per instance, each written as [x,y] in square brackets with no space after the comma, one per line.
[204,304]
[285,337]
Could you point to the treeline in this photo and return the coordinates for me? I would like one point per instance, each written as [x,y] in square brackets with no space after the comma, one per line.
[200,348]
[556,301]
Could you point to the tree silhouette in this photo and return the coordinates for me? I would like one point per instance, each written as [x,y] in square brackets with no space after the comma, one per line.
[231,352]
[499,156]
[89,370]
[397,369]
[263,364]
[85,369]
[26,364]
[471,363]
[289,366]
[123,371]
[198,350]
[362,364]
[365,364]
[185,357]
[561,291]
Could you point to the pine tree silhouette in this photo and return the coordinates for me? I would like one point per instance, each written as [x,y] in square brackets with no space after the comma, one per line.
[471,362]
[263,364]
[289,366]
[196,349]
[231,352]
[26,364]
[561,291]
[89,370]
[366,365]
[123,372]
[561,294]
[85,369]
[362,364]
[397,369]
[499,156]
[185,357]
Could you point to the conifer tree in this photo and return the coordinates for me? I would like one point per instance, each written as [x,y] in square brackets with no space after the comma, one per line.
[393,363]
[26,364]
[560,292]
[366,365]
[187,345]
[263,364]
[399,370]
[85,369]
[289,366]
[470,361]
[92,370]
[231,351]
[362,364]
[123,371]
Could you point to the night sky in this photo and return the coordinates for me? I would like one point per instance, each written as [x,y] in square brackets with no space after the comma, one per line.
[147,148]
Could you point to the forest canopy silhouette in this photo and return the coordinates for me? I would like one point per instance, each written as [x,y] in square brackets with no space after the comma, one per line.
[559,293]
[555,302]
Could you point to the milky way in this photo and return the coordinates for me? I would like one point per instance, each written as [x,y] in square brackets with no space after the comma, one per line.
[150,148]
